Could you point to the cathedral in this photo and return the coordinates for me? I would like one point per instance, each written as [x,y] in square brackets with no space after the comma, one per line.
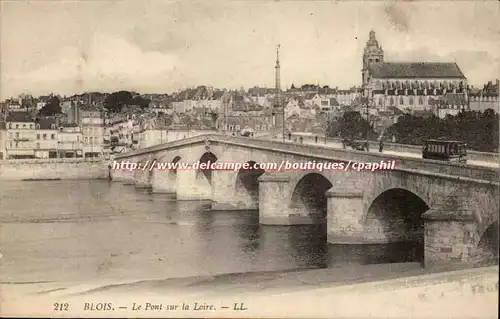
[409,86]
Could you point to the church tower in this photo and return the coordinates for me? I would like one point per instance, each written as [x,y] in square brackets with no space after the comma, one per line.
[373,53]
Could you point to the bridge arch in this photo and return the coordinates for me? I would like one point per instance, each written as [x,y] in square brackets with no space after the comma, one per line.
[207,158]
[395,217]
[309,195]
[176,159]
[486,251]
[246,183]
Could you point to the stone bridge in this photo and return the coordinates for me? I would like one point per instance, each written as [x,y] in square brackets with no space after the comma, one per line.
[448,211]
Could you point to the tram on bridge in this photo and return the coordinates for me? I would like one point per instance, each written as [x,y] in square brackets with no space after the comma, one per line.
[445,150]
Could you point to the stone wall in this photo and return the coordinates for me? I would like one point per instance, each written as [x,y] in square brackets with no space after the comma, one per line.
[38,169]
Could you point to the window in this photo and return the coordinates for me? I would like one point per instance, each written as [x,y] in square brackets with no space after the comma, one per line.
[53,136]
[44,136]
[24,125]
[38,136]
[17,126]
[37,145]
[401,101]
[31,125]
[237,127]
[17,134]
[392,101]
[411,101]
[324,103]
[10,125]
[38,126]
[86,140]
[420,100]
[380,102]
[257,127]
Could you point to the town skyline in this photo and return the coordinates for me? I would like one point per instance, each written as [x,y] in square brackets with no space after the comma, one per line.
[162,47]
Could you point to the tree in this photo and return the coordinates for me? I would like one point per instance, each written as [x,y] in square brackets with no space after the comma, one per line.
[479,129]
[52,107]
[350,125]
[115,101]
[141,101]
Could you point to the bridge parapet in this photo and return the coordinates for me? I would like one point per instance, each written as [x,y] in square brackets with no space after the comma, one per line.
[473,155]
[474,173]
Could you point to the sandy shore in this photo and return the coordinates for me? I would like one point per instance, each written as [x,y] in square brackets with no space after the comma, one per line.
[373,291]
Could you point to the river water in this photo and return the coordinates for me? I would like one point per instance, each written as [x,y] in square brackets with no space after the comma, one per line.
[96,230]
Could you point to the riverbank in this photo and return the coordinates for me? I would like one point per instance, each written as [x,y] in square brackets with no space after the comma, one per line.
[53,169]
[389,290]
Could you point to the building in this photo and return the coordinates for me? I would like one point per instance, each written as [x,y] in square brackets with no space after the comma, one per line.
[3,139]
[21,135]
[486,98]
[347,97]
[92,124]
[119,130]
[260,122]
[72,112]
[70,141]
[46,138]
[202,96]
[448,104]
[153,131]
[409,85]
[66,107]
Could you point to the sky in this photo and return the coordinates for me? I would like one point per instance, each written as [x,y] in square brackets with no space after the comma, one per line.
[160,46]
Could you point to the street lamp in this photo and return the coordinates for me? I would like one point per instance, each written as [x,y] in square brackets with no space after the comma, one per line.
[367,126]
[283,124]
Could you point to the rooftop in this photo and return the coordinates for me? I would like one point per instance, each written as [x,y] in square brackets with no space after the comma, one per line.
[20,117]
[412,70]
[69,125]
[46,124]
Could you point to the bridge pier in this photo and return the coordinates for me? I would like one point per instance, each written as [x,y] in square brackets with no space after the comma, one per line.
[117,175]
[449,238]
[223,194]
[128,177]
[142,179]
[273,208]
[344,211]
[164,182]
[191,186]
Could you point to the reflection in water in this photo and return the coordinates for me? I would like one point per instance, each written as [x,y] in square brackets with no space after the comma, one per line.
[84,230]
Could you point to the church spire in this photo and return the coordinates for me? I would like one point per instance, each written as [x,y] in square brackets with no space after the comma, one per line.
[277,102]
